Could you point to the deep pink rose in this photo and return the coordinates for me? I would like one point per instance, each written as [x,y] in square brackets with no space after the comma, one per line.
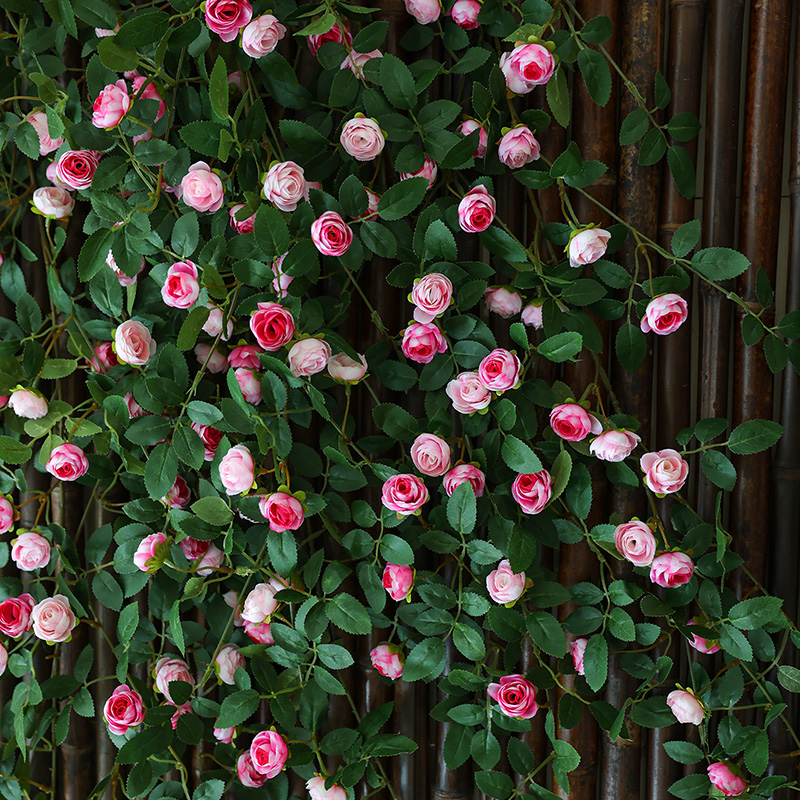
[104,358]
[388,660]
[260,603]
[227,661]
[727,779]
[499,371]
[476,210]
[532,492]
[210,437]
[431,295]
[424,11]
[362,138]
[422,341]
[532,316]
[250,384]
[518,147]
[15,615]
[686,707]
[179,495]
[269,753]
[151,547]
[355,61]
[502,301]
[236,470]
[214,359]
[53,620]
[702,645]
[52,202]
[527,66]
[465,14]
[260,633]
[67,462]
[6,515]
[671,569]
[308,357]
[261,36]
[635,541]
[577,650]
[201,189]
[246,225]
[468,393]
[614,445]
[505,586]
[272,325]
[337,33]
[181,288]
[427,170]
[247,773]
[342,368]
[404,494]
[46,144]
[168,670]
[226,17]
[282,511]
[470,125]
[587,246]
[573,423]
[665,471]
[284,185]
[398,581]
[124,710]
[430,454]
[30,551]
[331,234]
[193,549]
[664,314]
[515,695]
[463,473]
[27,404]
[111,105]
[245,355]
[76,168]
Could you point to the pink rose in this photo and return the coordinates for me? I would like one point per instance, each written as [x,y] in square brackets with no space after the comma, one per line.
[702,645]
[664,314]
[388,660]
[515,695]
[505,586]
[424,11]
[247,773]
[355,61]
[462,473]
[181,288]
[236,470]
[331,235]
[101,33]
[193,549]
[518,147]
[686,707]
[499,371]
[3,397]
[308,357]
[269,753]
[245,355]
[362,138]
[532,316]
[468,393]
[211,437]
[470,125]
[231,599]
[724,778]
[234,79]
[260,633]
[53,620]
[145,89]
[586,246]
[342,368]
[431,455]
[573,423]
[15,615]
[260,603]
[225,735]
[465,14]
[422,341]
[211,561]
[124,280]
[111,105]
[398,581]
[168,670]
[104,358]
[6,515]
[215,361]
[532,492]
[227,661]
[336,34]
[282,511]
[665,471]
[577,650]
[30,551]
[431,295]
[201,189]
[27,404]
[476,210]
[134,409]
[76,168]
[153,549]
[133,343]
[246,225]
[52,202]
[635,541]
[262,35]
[178,496]
[614,445]
[280,284]
[671,569]
[250,384]
[427,170]
[404,494]
[213,325]
[272,325]
[284,185]
[46,144]
[124,710]
[67,462]
[226,17]
[502,301]
[527,66]
[317,791]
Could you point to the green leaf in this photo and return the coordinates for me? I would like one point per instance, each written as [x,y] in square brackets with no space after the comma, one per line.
[27,140]
[501,244]
[631,347]
[547,633]
[175,626]
[202,136]
[468,641]
[395,550]
[462,508]
[596,74]
[209,790]
[683,752]
[218,90]
[685,238]
[719,263]
[191,327]
[485,749]
[495,784]
[595,662]
[661,91]
[653,712]
[519,457]
[93,254]
[682,169]
[597,30]
[116,57]
[756,753]
[789,678]
[142,29]
[146,743]
[237,708]
[634,126]
[347,613]
[107,591]
[733,641]
[561,347]
[397,82]
[213,510]
[755,612]
[691,787]
[186,235]
[424,660]
[370,37]
[127,623]
[160,470]
[400,200]
[754,436]
[719,470]
[395,421]
[684,127]
[558,97]
[653,147]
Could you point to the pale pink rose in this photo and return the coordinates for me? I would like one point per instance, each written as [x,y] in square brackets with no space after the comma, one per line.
[577,650]
[499,371]
[260,603]
[518,147]
[247,773]
[502,301]
[250,384]
[46,144]
[52,175]
[635,541]
[181,288]
[179,495]
[317,791]
[284,185]
[388,660]
[236,470]
[362,138]
[337,33]
[431,455]
[210,437]
[587,246]
[101,33]
[124,280]
[422,341]
[6,515]
[505,586]
[211,561]
[280,284]
[215,360]
[52,202]
[532,492]
[664,314]
[515,695]
[424,11]
[245,355]
[67,462]
[260,633]
[231,599]
[261,36]
[527,66]
[476,210]
[331,234]
[702,645]
[465,14]
[665,471]
[30,551]
[133,343]
[342,368]
[404,494]
[246,225]
[168,670]
[470,125]
[213,325]
[308,357]
[428,170]
[104,358]
[226,17]
[355,61]
[201,189]
[398,581]
[431,295]
[227,661]
[134,409]
[269,753]
[272,325]
[235,79]
[145,89]
[76,168]
[282,511]
[27,404]
[224,735]
[532,316]
[463,473]
[724,778]
[573,423]
[124,710]
[111,105]
[686,707]
[15,615]
[151,547]
[468,393]
[671,569]
[53,620]
[3,659]
[614,445]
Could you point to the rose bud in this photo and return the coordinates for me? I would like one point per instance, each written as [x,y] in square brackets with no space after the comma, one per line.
[427,170]
[104,358]
[424,11]
[614,445]
[505,586]
[388,660]
[463,473]
[246,225]
[269,753]
[515,695]
[53,620]
[476,210]
[46,144]
[671,569]
[470,125]
[587,246]
[260,603]
[404,494]
[398,581]
[250,385]
[362,138]
[227,17]
[635,541]
[213,359]
[211,437]
[282,512]
[272,325]
[337,33]
[260,633]
[247,773]
[664,314]
[308,357]
[133,343]
[201,189]
[702,645]
[213,325]
[27,404]
[518,147]
[181,288]
[431,455]
[111,105]
[15,615]
[499,371]
[225,735]
[237,470]
[468,393]
[503,302]
[67,462]
[227,661]
[573,423]
[245,355]
[465,14]
[30,551]
[727,779]
[151,549]
[577,650]
[422,341]
[76,168]
[686,707]
[124,710]
[331,235]
[342,368]
[527,66]
[261,36]
[52,202]
[6,515]
[168,670]
[665,471]
[284,185]
[532,492]
[532,316]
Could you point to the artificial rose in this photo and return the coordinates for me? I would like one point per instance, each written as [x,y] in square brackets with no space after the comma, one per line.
[476,210]
[282,511]
[260,633]
[225,735]
[686,707]
[124,710]
[532,316]
[404,494]
[6,515]
[245,355]
[635,541]
[67,462]
[30,551]
[577,649]
[247,773]
[284,185]
[317,791]
[236,470]
[424,11]
[227,17]
[193,549]
[706,646]
[27,404]
[468,393]
[272,325]
[181,288]
[505,586]
[431,295]
[201,189]
[586,246]
[179,495]
[430,454]
[499,371]
[726,778]
[260,603]
[227,661]
[261,36]
[250,384]
[470,125]
[573,423]
[124,280]
[532,491]
[388,660]
[665,471]
[422,341]
[211,437]
[355,61]
[337,33]
[150,548]
[463,473]
[515,695]
[133,343]
[428,170]
[465,14]
[308,357]
[331,234]
[52,202]
[527,66]
[280,284]
[214,360]
[46,143]
[53,620]
[614,445]
[362,138]
[269,753]
[664,314]
[103,359]
[398,581]
[502,301]
[671,569]
[111,105]
[342,368]
[168,670]
[245,225]
[76,168]
[518,147]
[213,325]
[15,615]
